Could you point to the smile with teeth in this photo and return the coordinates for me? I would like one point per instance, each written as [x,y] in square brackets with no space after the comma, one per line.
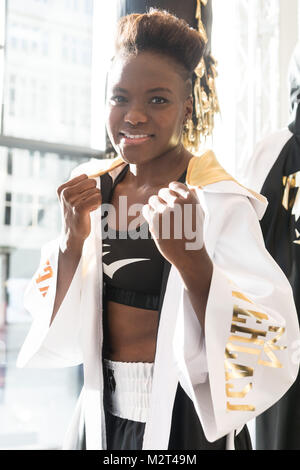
[134,138]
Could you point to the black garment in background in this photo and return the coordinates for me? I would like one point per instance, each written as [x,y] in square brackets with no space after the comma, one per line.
[279,427]
[186,430]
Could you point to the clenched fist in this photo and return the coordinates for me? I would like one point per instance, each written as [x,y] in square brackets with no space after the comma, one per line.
[78,198]
[176,219]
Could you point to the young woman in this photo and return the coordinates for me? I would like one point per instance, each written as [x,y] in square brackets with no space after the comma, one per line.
[184,337]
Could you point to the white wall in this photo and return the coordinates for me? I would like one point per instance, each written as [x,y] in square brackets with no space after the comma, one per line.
[289,35]
[252,42]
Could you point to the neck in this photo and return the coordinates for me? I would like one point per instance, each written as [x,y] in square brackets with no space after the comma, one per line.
[161,170]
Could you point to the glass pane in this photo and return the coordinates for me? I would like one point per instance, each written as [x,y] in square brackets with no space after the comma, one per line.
[2,38]
[36,405]
[31,212]
[47,87]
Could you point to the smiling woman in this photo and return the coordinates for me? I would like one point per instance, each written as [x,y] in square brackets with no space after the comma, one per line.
[153,113]
[150,82]
[166,326]
[147,98]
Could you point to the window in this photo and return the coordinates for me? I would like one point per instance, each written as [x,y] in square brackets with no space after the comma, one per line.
[29,217]
[88,7]
[252,66]
[12,95]
[9,162]
[7,216]
[32,39]
[47,130]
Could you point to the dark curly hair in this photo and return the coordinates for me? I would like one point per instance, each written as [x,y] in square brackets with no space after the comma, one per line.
[163,33]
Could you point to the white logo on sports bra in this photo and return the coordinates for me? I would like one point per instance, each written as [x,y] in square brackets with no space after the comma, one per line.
[112,268]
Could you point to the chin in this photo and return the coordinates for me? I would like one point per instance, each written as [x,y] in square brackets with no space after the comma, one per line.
[132,160]
[135,157]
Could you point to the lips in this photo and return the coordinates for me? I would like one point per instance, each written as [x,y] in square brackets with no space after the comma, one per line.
[130,138]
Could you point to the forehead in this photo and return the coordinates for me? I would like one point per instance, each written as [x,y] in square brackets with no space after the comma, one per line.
[144,71]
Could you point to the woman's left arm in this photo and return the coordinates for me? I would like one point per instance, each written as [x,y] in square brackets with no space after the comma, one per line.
[251,340]
[192,268]
[176,223]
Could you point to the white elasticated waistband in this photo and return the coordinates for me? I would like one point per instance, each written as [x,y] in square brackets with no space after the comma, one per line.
[130,396]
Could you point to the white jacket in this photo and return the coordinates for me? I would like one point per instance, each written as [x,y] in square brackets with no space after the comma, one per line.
[240,366]
[265,155]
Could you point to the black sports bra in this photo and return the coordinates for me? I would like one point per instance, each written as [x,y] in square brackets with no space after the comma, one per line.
[132,264]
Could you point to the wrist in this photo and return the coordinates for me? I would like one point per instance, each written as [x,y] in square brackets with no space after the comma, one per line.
[70,243]
[195,263]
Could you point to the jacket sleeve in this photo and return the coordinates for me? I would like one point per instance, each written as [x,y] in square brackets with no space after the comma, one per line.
[251,327]
[57,345]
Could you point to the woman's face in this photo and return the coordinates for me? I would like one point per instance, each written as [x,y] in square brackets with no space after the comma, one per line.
[147,103]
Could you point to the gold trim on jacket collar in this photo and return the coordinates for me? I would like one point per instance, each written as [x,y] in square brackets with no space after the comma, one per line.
[114,164]
[206,169]
[202,171]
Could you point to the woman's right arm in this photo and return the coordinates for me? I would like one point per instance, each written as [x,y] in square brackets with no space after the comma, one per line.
[78,198]
[53,296]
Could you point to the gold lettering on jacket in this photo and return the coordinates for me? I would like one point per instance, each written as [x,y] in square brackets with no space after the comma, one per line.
[231,407]
[239,295]
[270,346]
[48,273]
[254,346]
[240,394]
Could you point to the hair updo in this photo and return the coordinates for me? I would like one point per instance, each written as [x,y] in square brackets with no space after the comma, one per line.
[163,33]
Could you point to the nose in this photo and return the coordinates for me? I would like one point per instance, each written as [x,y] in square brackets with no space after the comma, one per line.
[135,115]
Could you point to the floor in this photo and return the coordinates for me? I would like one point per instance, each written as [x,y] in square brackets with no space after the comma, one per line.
[36,405]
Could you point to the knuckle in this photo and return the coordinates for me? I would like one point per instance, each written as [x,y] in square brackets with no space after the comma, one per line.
[62,193]
[153,199]
[91,183]
[81,177]
[174,184]
[163,192]
[95,193]
[61,189]
[65,193]
[87,193]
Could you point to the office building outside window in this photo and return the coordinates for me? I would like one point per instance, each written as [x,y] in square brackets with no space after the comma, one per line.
[49,49]
[46,79]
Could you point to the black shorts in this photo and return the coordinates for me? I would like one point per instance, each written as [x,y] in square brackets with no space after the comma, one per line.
[186,430]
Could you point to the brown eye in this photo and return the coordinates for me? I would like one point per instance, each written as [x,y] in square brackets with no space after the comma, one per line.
[118,99]
[158,100]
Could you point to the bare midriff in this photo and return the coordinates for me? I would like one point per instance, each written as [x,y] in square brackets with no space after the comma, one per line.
[129,333]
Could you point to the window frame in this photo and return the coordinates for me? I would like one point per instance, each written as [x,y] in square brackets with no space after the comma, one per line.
[35,144]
